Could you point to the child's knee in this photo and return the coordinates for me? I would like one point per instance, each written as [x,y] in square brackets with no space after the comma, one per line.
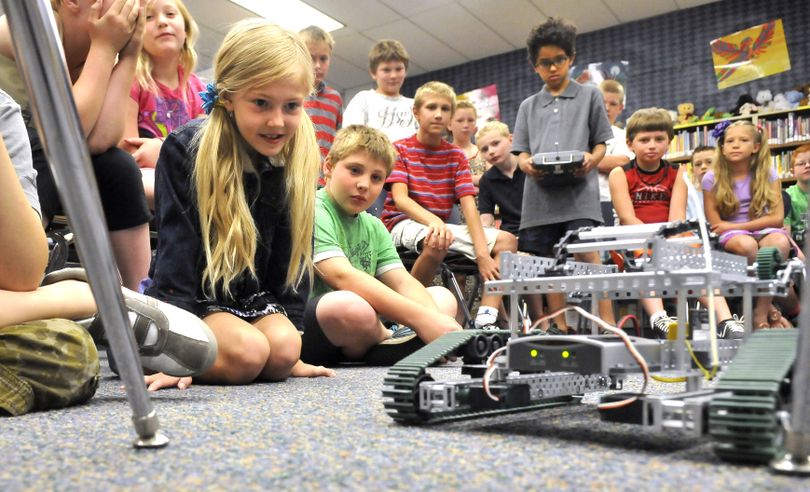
[506,242]
[285,348]
[444,299]
[346,309]
[246,355]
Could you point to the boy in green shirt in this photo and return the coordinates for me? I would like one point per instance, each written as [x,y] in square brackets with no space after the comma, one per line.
[798,193]
[360,277]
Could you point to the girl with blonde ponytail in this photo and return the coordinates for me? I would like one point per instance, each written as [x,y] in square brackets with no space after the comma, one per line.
[235,197]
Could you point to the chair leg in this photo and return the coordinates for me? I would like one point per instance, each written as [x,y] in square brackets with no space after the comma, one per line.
[449,281]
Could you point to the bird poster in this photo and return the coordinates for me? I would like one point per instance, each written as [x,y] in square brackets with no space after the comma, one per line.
[750,54]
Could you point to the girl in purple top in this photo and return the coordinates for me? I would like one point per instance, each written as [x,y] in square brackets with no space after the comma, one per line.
[165,94]
[743,199]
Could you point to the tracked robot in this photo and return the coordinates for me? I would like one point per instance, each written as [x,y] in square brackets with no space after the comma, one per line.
[520,369]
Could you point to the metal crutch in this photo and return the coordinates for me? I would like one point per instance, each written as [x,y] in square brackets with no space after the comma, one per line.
[39,56]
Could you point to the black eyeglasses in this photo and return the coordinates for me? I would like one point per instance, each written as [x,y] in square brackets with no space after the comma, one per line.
[548,62]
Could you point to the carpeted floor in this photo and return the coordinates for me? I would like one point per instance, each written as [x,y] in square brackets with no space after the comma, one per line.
[333,434]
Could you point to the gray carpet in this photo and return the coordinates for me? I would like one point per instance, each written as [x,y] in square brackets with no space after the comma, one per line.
[333,434]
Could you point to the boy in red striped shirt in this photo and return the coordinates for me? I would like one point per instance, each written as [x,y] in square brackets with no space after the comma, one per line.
[430,175]
[324,106]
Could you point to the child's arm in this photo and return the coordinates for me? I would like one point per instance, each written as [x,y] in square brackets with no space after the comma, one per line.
[108,34]
[677,204]
[525,163]
[610,162]
[23,247]
[109,127]
[773,218]
[487,267]
[593,158]
[145,151]
[488,220]
[408,303]
[439,236]
[620,195]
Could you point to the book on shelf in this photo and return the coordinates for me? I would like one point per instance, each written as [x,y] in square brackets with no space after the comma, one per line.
[782,128]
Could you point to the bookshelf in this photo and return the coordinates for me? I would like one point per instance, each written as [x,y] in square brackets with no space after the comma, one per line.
[786,130]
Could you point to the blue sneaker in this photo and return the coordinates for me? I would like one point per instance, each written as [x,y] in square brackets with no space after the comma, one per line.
[403,342]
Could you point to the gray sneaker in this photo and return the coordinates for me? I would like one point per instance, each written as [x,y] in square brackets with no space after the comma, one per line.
[731,329]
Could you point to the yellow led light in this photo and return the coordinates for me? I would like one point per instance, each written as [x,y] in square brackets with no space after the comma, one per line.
[566,354]
[533,353]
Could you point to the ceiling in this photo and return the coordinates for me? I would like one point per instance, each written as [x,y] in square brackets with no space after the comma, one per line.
[436,33]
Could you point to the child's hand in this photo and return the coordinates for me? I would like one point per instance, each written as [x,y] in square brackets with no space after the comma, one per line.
[439,236]
[114,28]
[488,268]
[133,47]
[304,370]
[723,226]
[159,380]
[145,151]
[587,164]
[528,168]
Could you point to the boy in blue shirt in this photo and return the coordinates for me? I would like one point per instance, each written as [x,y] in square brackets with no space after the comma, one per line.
[360,277]
[563,116]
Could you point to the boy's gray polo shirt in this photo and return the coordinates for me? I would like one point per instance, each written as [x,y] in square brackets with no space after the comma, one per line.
[574,120]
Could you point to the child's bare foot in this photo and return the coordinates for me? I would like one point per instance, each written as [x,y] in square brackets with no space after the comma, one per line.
[304,370]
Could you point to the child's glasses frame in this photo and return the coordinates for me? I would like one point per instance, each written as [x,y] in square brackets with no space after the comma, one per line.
[557,61]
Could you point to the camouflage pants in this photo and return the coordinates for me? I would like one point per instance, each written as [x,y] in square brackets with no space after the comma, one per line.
[46,364]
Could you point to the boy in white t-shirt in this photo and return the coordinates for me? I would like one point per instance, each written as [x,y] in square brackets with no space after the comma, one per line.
[617,153]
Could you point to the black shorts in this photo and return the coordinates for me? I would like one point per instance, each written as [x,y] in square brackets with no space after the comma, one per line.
[119,185]
[315,347]
[540,240]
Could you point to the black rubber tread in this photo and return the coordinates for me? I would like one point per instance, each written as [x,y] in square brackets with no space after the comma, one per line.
[401,385]
[768,261]
[744,426]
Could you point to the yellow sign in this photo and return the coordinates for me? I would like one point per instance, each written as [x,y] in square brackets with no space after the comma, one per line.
[750,54]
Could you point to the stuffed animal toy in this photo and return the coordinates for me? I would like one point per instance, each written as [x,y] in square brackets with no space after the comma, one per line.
[794,98]
[780,103]
[765,101]
[685,113]
[742,100]
[804,89]
[748,108]
[709,115]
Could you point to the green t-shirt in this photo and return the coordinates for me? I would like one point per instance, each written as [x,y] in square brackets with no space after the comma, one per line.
[798,200]
[362,239]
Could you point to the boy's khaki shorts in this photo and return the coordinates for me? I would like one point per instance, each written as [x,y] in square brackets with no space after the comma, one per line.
[409,234]
[46,364]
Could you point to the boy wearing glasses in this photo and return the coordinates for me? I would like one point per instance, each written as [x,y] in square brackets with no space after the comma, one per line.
[795,220]
[563,116]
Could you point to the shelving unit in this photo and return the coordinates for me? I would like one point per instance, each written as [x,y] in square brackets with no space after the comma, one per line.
[786,130]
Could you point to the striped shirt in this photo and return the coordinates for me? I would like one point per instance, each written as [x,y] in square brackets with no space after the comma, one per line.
[324,108]
[436,177]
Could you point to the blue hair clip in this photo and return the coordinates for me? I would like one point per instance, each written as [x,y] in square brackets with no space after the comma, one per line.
[720,129]
[209,97]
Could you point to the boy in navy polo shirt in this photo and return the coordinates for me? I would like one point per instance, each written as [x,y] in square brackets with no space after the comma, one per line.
[501,185]
[563,116]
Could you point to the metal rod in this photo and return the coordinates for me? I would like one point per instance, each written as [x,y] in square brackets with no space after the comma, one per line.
[625,231]
[39,55]
[797,438]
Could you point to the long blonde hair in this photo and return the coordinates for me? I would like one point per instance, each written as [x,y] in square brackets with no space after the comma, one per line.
[188,56]
[253,54]
[763,197]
